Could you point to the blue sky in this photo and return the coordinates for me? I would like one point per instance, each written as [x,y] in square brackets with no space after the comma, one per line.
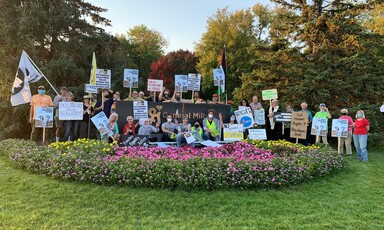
[181,22]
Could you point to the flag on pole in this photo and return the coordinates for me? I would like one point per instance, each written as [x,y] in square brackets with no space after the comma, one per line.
[26,73]
[223,67]
[92,80]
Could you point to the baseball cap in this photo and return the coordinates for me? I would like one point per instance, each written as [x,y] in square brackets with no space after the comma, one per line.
[214,95]
[86,97]
[322,104]
[41,87]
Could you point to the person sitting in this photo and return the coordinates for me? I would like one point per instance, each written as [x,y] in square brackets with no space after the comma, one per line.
[169,129]
[113,130]
[197,132]
[147,129]
[183,129]
[129,128]
[212,126]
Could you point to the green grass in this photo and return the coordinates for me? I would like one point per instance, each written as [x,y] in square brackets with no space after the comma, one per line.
[352,199]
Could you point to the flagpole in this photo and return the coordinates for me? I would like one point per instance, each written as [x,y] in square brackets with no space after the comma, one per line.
[30,59]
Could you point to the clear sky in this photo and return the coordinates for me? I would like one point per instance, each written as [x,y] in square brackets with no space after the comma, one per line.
[181,22]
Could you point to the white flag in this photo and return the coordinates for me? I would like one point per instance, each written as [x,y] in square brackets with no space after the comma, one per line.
[26,73]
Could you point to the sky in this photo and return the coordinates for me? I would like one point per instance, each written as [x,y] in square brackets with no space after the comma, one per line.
[181,22]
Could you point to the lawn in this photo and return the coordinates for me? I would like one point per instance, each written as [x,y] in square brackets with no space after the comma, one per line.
[352,199]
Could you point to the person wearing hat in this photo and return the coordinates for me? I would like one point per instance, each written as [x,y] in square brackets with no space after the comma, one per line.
[346,141]
[56,102]
[87,113]
[323,113]
[212,126]
[38,100]
[215,100]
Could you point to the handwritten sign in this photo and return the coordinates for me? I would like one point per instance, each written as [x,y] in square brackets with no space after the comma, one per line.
[299,125]
[89,88]
[131,78]
[269,94]
[154,85]
[319,126]
[103,78]
[245,117]
[233,132]
[194,81]
[101,122]
[257,134]
[140,109]
[44,117]
[339,128]
[181,83]
[70,111]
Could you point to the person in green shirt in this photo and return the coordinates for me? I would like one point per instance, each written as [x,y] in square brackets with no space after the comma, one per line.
[323,113]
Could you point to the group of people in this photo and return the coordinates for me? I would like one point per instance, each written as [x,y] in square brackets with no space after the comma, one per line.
[210,128]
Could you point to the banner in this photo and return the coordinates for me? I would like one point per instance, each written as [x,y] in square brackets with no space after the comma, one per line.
[140,109]
[233,132]
[44,117]
[131,78]
[194,81]
[103,78]
[71,111]
[101,122]
[154,85]
[181,83]
[280,117]
[134,140]
[269,94]
[89,88]
[259,116]
[299,125]
[319,126]
[218,77]
[257,134]
[244,117]
[339,128]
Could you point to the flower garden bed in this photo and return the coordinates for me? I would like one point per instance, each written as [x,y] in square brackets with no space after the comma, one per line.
[240,165]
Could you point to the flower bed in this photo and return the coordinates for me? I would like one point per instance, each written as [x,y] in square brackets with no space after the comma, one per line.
[239,165]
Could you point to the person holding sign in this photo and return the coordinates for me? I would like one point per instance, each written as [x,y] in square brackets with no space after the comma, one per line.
[304,107]
[165,95]
[360,136]
[169,129]
[215,100]
[87,113]
[197,132]
[59,123]
[38,100]
[112,133]
[196,98]
[346,141]
[274,128]
[255,105]
[183,129]
[70,125]
[323,113]
[212,126]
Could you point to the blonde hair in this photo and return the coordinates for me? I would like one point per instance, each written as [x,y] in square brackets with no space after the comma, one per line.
[362,112]
[114,115]
[70,94]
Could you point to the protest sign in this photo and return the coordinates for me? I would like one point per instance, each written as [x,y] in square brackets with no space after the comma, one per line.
[140,109]
[134,140]
[194,81]
[103,78]
[189,138]
[280,117]
[319,126]
[245,117]
[89,88]
[257,134]
[131,78]
[382,108]
[44,117]
[154,85]
[101,122]
[218,77]
[70,111]
[181,83]
[339,128]
[233,132]
[269,94]
[259,116]
[299,125]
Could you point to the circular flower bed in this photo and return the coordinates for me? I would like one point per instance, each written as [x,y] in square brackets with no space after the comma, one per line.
[241,165]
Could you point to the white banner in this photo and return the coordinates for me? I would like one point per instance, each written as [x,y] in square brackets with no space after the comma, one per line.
[131,78]
[154,85]
[140,109]
[194,81]
[71,111]
[181,83]
[218,77]
[245,117]
[101,122]
[233,132]
[257,134]
[103,78]
[89,88]
[44,117]
[339,128]
[319,126]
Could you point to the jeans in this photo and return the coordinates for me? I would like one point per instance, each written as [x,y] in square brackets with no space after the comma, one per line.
[71,130]
[360,141]
[208,136]
[180,139]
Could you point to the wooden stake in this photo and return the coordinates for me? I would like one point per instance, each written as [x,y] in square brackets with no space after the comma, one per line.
[43,135]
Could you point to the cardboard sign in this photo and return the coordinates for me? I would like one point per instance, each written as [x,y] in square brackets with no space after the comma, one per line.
[299,125]
[259,116]
[103,78]
[71,111]
[218,77]
[319,126]
[282,117]
[44,117]
[339,128]
[89,88]
[140,109]
[233,132]
[101,122]
[257,134]
[245,117]
[131,78]
[269,94]
[134,140]
[194,81]
[154,85]
[181,83]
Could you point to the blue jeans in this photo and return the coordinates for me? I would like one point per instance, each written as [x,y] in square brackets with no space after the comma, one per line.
[71,130]
[180,139]
[360,141]
[208,136]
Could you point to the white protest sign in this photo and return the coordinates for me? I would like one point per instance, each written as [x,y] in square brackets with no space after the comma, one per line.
[44,117]
[89,88]
[257,134]
[101,122]
[245,117]
[218,77]
[189,138]
[154,85]
[382,109]
[131,78]
[103,78]
[233,132]
[70,111]
[194,81]
[319,126]
[259,116]
[181,83]
[269,94]
[339,128]
[140,109]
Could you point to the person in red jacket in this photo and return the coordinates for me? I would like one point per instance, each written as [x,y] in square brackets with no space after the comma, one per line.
[129,128]
[360,136]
